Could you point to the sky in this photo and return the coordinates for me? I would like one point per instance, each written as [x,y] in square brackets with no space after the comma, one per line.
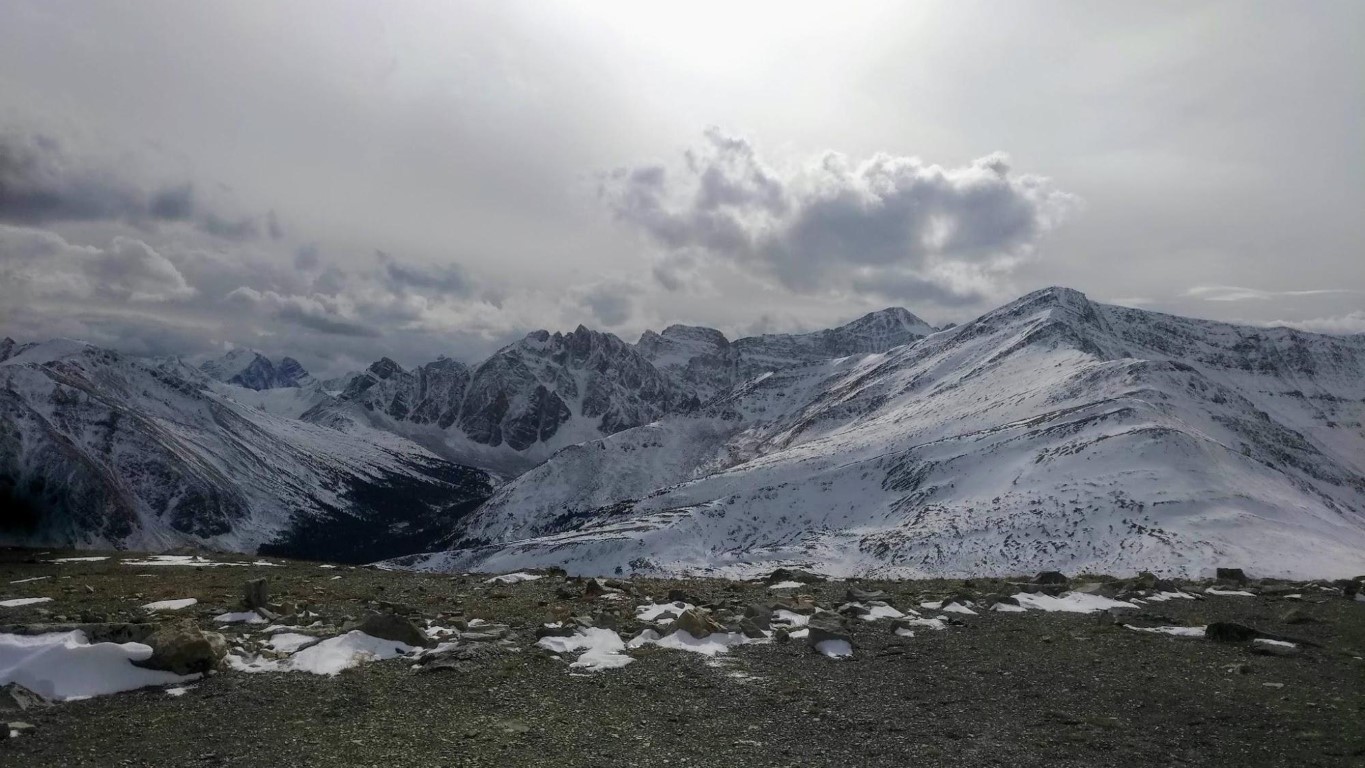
[340,181]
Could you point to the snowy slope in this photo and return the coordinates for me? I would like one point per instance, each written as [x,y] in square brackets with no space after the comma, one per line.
[97,449]
[1051,433]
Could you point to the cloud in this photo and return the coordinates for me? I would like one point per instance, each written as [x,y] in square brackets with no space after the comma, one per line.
[446,279]
[318,312]
[40,264]
[1347,324]
[889,225]
[1235,293]
[611,304]
[42,183]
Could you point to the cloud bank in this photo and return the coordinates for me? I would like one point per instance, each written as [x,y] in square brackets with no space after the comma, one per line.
[888,225]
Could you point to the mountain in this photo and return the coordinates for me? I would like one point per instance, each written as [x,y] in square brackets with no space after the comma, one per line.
[249,368]
[102,450]
[1053,432]
[550,391]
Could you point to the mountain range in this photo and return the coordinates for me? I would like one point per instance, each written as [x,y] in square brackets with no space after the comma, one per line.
[1053,432]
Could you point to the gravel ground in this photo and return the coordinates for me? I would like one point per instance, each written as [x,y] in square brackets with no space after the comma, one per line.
[1006,689]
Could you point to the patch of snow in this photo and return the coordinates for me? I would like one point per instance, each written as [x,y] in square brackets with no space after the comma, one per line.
[289,642]
[170,605]
[958,608]
[94,559]
[1070,602]
[1007,608]
[35,578]
[179,690]
[787,585]
[18,601]
[929,623]
[249,617]
[875,611]
[711,645]
[1277,643]
[601,649]
[1172,631]
[64,666]
[1162,597]
[1229,592]
[653,611]
[835,649]
[328,657]
[903,632]
[790,618]
[181,560]
[513,578]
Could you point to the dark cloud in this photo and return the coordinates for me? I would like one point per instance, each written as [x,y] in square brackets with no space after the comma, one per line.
[442,280]
[319,312]
[891,225]
[307,257]
[41,183]
[610,304]
[41,265]
[273,226]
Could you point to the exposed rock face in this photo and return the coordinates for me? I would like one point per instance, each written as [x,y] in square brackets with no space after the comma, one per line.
[249,368]
[184,649]
[1125,440]
[101,449]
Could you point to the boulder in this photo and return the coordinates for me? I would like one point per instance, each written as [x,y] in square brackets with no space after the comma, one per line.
[760,615]
[256,594]
[696,623]
[855,595]
[389,626]
[184,649]
[1050,577]
[820,633]
[1230,632]
[1232,575]
[751,629]
[793,574]
[16,698]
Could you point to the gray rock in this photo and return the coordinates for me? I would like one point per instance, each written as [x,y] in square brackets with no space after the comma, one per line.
[819,634]
[1050,577]
[751,629]
[793,574]
[1233,575]
[256,594]
[855,595]
[1230,632]
[184,649]
[388,626]
[696,623]
[16,698]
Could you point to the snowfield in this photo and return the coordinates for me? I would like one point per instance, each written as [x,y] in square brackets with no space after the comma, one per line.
[1053,433]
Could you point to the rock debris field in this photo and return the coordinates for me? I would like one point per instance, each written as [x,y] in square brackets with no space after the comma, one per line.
[118,659]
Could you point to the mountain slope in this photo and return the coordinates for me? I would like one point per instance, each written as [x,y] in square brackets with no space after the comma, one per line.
[97,449]
[1051,433]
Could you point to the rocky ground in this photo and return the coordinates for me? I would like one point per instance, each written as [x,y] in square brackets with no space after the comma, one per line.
[993,687]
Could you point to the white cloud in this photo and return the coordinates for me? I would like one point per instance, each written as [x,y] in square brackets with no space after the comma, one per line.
[1236,293]
[888,225]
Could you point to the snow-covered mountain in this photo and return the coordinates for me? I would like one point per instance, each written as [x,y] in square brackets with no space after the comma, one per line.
[1053,432]
[553,390]
[249,368]
[98,449]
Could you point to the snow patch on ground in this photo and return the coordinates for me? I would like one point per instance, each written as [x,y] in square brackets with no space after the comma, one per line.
[835,649]
[289,642]
[94,559]
[64,666]
[601,649]
[1172,631]
[712,645]
[328,657]
[787,585]
[170,605]
[654,611]
[1228,592]
[513,578]
[20,601]
[1070,602]
[249,617]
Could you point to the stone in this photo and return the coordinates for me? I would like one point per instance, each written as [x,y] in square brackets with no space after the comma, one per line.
[389,626]
[184,649]
[1050,577]
[1230,632]
[1296,616]
[16,698]
[751,629]
[819,634]
[676,595]
[793,574]
[1275,649]
[696,623]
[256,594]
[855,595]
[1233,575]
[760,615]
[854,609]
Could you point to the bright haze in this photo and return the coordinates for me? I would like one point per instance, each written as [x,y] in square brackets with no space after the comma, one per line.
[340,181]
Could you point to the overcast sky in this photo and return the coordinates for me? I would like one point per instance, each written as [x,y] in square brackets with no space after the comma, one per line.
[340,181]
